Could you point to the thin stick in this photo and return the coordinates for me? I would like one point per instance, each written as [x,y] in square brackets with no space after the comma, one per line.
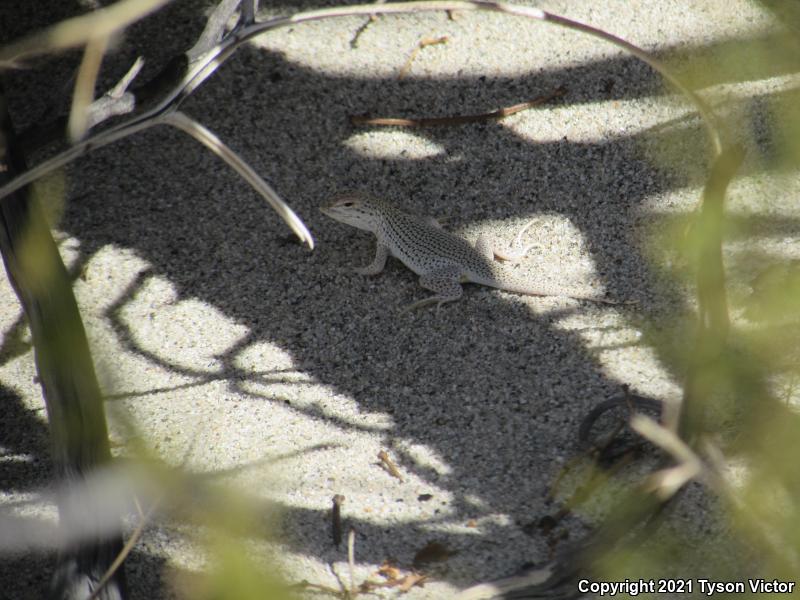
[122,85]
[422,44]
[494,115]
[357,35]
[207,64]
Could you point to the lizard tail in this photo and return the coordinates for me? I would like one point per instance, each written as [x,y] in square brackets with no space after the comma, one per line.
[526,289]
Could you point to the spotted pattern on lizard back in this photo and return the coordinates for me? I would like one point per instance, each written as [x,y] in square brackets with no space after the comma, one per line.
[424,248]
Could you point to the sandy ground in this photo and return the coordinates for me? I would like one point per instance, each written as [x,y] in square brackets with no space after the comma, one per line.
[242,355]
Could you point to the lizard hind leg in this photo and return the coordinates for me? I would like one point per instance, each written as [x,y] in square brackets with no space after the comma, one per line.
[445,282]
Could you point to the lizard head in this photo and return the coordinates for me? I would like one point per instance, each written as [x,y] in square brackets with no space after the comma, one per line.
[357,210]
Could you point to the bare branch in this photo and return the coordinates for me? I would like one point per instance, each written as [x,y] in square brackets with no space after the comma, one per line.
[117,101]
[59,160]
[216,56]
[122,85]
[215,27]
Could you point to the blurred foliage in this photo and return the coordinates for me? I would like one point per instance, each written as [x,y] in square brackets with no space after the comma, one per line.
[736,349]
[223,519]
[234,574]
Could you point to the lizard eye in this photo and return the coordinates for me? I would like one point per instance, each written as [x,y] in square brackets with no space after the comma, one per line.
[348,204]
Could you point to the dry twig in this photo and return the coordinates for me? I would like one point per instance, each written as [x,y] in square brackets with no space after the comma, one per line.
[668,481]
[422,44]
[389,466]
[494,115]
[126,549]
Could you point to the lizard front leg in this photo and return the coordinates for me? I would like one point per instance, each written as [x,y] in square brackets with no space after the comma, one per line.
[378,263]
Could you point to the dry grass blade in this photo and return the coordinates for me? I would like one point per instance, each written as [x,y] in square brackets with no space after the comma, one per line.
[498,589]
[93,54]
[213,143]
[663,438]
[668,481]
[81,30]
[126,549]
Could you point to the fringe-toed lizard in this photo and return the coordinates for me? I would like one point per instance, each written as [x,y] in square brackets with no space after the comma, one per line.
[442,260]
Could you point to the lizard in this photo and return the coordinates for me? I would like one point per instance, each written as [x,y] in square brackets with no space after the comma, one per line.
[443,261]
